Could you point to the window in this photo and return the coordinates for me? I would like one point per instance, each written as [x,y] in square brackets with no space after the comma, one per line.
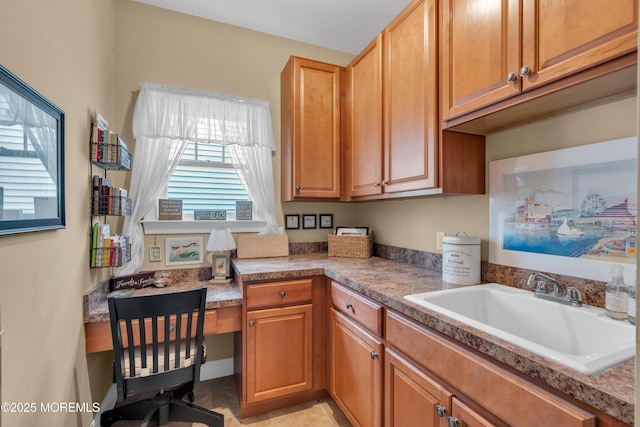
[206,180]
[191,141]
[25,182]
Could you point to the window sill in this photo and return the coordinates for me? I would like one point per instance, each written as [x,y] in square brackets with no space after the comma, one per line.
[201,227]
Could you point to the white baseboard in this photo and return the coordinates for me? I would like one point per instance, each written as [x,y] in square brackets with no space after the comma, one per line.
[208,371]
[216,369]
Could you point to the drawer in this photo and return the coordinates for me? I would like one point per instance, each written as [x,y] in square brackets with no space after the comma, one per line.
[512,397]
[357,307]
[279,293]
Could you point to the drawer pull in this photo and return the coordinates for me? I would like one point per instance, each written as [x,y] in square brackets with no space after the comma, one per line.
[349,306]
[374,355]
[453,422]
[441,411]
[283,293]
[251,322]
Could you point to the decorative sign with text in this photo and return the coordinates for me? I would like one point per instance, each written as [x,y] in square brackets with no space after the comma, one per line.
[169,209]
[210,215]
[135,281]
[244,210]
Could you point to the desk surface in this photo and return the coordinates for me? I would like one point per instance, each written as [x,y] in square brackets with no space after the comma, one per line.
[223,310]
[218,296]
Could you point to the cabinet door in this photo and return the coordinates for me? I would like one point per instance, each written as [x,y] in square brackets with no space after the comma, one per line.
[411,94]
[412,398]
[279,352]
[355,371]
[480,47]
[561,37]
[464,416]
[364,123]
[311,129]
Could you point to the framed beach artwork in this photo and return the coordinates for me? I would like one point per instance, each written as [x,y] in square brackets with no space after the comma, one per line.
[183,250]
[571,211]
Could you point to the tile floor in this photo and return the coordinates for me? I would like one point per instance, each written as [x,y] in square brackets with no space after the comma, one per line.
[221,396]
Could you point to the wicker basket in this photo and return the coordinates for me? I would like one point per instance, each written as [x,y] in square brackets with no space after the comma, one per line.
[350,246]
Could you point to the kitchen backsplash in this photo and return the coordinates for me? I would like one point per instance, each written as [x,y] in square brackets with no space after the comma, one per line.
[592,290]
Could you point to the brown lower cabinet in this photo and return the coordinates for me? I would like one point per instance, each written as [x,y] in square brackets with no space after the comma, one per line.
[415,398]
[501,394]
[355,370]
[285,368]
[281,352]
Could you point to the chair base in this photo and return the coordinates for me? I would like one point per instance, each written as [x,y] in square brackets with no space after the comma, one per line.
[162,408]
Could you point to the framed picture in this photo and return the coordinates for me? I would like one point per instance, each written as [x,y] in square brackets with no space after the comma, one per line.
[571,211]
[308,221]
[291,222]
[326,220]
[155,255]
[183,250]
[352,231]
[221,265]
[33,196]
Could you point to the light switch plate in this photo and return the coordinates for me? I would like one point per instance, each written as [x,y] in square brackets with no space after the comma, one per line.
[439,236]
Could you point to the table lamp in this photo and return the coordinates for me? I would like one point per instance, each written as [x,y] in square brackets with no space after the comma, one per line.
[220,242]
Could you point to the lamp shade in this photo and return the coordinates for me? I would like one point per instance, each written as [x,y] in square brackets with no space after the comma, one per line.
[220,240]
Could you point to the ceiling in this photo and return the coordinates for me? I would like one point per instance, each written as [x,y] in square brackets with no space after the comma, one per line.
[344,25]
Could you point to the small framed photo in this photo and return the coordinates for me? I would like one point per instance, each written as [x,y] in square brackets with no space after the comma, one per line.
[221,266]
[292,222]
[155,254]
[309,221]
[326,220]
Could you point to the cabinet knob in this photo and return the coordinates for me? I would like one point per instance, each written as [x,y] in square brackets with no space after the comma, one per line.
[385,183]
[297,188]
[282,294]
[374,355]
[524,71]
[376,184]
[349,306]
[511,77]
[441,411]
[251,322]
[453,422]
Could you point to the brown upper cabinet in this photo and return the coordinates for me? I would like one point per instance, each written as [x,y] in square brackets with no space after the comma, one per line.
[393,147]
[505,52]
[364,121]
[410,94]
[312,101]
[394,144]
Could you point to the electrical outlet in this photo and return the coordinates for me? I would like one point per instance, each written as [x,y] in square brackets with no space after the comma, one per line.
[439,236]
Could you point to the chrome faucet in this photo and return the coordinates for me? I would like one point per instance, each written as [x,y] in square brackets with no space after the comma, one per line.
[539,282]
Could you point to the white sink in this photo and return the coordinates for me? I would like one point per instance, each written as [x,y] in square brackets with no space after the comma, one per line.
[582,338]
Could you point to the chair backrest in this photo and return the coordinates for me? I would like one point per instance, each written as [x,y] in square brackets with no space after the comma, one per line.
[155,342]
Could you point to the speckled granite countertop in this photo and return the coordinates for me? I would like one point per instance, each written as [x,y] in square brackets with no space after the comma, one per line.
[611,391]
[218,295]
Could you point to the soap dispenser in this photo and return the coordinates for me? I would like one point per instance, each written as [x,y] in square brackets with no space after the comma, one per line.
[616,294]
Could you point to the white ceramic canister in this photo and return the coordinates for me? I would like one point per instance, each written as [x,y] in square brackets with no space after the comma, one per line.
[461,259]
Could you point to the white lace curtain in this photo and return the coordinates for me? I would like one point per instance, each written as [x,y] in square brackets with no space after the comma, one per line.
[40,127]
[165,118]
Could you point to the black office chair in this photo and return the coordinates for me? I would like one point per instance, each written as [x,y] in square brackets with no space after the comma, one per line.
[157,347]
